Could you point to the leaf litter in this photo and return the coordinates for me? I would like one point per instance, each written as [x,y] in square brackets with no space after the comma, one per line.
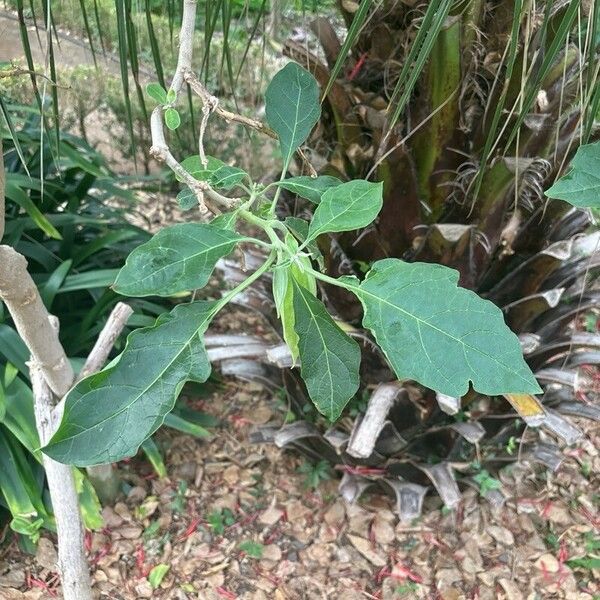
[236,520]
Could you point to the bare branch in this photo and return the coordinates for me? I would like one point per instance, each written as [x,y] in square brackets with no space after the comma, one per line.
[366,432]
[209,200]
[212,104]
[186,44]
[21,296]
[74,572]
[112,329]
[207,98]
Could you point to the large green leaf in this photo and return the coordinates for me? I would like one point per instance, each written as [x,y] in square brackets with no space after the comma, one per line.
[108,415]
[347,207]
[581,185]
[216,172]
[292,107]
[311,188]
[330,360]
[439,334]
[178,258]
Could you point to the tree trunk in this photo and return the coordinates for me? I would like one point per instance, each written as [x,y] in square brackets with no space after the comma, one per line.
[72,564]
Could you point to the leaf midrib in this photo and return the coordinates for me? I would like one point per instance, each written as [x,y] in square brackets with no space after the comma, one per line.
[312,316]
[205,250]
[361,290]
[319,230]
[136,399]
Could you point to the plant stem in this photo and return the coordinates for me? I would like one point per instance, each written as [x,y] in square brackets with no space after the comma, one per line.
[332,280]
[247,282]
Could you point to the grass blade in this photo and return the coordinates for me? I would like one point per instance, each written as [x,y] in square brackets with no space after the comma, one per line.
[122,39]
[49,21]
[13,134]
[353,32]
[158,67]
[512,57]
[549,57]
[132,50]
[154,456]
[88,30]
[431,33]
[99,26]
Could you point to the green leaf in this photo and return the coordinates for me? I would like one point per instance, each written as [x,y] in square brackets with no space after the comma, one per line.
[16,194]
[108,415]
[225,221]
[252,549]
[292,107]
[439,334]
[330,360]
[180,424]
[346,207]
[283,293]
[172,119]
[299,227]
[157,574]
[187,199]
[178,258]
[152,452]
[581,185]
[216,172]
[171,95]
[157,92]
[311,188]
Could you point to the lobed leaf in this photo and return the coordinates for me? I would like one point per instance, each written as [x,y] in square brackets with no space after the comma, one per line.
[292,107]
[330,360]
[439,334]
[108,415]
[178,258]
[346,207]
[311,188]
[581,185]
[216,172]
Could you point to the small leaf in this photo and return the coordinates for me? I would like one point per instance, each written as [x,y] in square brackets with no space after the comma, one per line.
[172,119]
[283,294]
[157,92]
[252,549]
[171,96]
[581,185]
[225,221]
[292,107]
[311,188]
[347,207]
[299,227]
[108,415]
[439,334]
[157,574]
[187,199]
[330,360]
[177,258]
[216,172]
